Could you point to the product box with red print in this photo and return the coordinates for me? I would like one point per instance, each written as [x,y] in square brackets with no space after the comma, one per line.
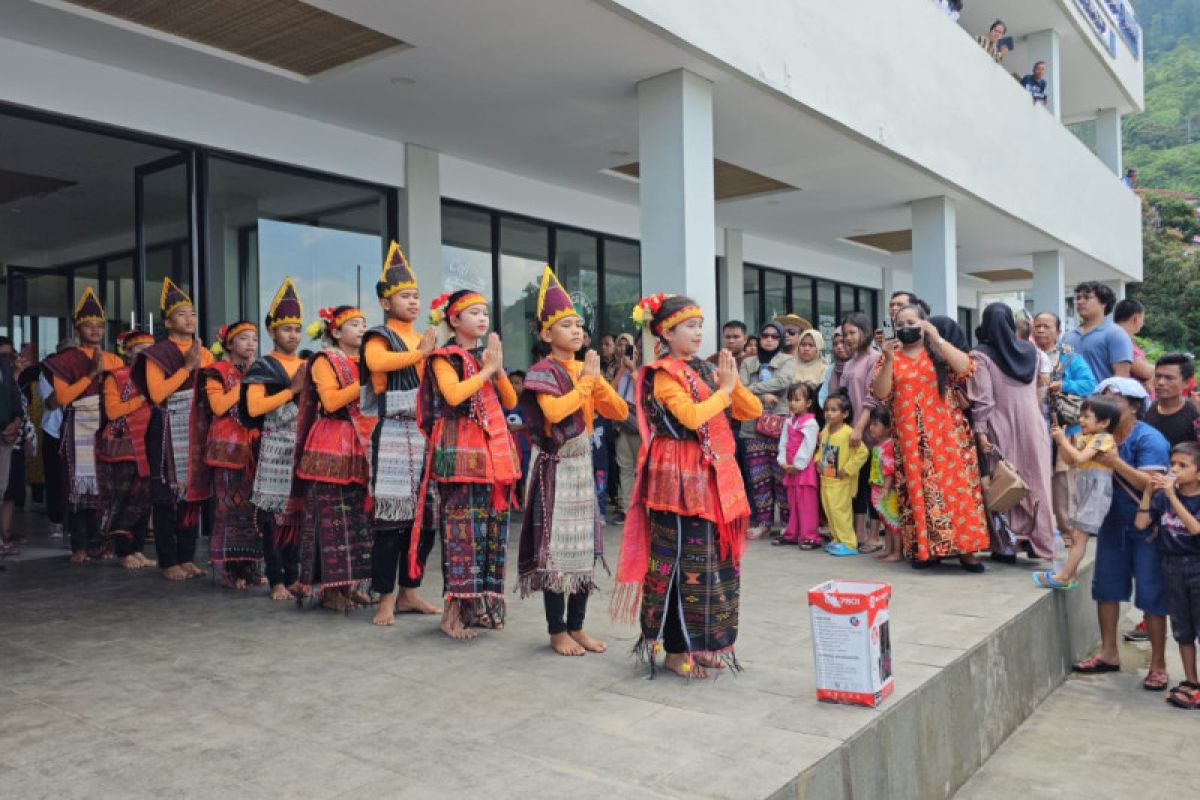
[852,642]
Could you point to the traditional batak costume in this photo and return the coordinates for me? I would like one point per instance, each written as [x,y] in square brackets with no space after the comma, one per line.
[78,394]
[121,458]
[686,528]
[160,374]
[333,471]
[561,537]
[222,465]
[471,469]
[392,368]
[268,404]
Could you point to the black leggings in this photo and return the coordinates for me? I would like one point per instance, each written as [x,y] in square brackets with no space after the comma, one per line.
[389,557]
[575,607]
[862,498]
[84,527]
[174,543]
[133,542]
[282,560]
[674,640]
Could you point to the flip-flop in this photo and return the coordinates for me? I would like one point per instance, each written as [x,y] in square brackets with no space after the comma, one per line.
[1094,666]
[1044,579]
[1156,681]
[1185,695]
[809,545]
[867,549]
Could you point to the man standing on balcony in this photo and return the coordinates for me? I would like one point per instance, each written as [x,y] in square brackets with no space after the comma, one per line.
[1035,83]
[1106,348]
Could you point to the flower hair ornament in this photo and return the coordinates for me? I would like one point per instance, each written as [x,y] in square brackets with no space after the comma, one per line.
[437,309]
[646,308]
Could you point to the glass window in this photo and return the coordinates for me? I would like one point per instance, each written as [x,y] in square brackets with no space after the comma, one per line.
[752,297]
[622,285]
[165,221]
[577,266]
[848,302]
[43,320]
[118,296]
[775,301]
[466,250]
[523,256]
[266,224]
[802,296]
[826,315]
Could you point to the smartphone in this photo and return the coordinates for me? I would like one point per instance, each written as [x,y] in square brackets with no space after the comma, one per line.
[889,329]
[629,351]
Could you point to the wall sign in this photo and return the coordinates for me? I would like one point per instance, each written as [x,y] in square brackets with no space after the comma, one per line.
[1099,22]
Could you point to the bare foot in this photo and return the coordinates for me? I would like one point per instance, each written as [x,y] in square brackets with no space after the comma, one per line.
[192,570]
[452,624]
[409,601]
[79,557]
[361,598]
[565,645]
[488,621]
[240,583]
[281,592]
[386,613]
[295,588]
[175,573]
[587,642]
[132,561]
[143,561]
[261,580]
[712,662]
[681,665]
[336,600]
[893,558]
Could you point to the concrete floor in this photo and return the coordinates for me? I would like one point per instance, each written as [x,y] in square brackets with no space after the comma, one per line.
[120,684]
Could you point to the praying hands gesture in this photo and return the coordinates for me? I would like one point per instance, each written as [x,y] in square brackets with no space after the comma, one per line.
[591,365]
[97,365]
[493,357]
[727,372]
[428,342]
[191,361]
[298,380]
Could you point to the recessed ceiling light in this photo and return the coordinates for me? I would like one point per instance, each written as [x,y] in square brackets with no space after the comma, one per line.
[402,80]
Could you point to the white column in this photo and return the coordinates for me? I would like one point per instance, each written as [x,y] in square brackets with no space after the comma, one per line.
[1044,46]
[421,218]
[1108,138]
[730,277]
[887,285]
[1049,283]
[1118,288]
[675,149]
[935,254]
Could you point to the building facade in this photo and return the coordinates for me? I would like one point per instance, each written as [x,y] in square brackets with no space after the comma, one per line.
[764,157]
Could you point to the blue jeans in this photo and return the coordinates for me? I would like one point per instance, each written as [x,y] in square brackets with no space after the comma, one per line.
[1126,560]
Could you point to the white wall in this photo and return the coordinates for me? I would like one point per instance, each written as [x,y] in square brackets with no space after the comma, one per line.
[934,100]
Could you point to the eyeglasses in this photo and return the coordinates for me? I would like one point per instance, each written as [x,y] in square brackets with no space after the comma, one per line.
[792,331]
[768,336]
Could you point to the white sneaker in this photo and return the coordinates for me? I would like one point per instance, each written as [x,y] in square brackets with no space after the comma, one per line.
[56,530]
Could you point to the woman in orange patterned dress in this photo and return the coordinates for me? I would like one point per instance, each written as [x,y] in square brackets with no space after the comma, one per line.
[937,471]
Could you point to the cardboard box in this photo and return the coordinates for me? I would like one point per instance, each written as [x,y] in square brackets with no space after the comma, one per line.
[852,643]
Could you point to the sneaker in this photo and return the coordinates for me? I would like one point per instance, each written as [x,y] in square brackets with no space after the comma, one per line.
[618,518]
[839,549]
[56,530]
[1138,634]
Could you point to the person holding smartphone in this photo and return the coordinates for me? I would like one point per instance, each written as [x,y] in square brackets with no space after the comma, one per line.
[629,439]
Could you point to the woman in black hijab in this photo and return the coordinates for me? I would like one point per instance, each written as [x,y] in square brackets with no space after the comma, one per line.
[768,376]
[1006,415]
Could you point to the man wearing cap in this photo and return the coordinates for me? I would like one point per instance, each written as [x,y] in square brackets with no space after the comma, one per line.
[393,363]
[75,375]
[793,326]
[1125,558]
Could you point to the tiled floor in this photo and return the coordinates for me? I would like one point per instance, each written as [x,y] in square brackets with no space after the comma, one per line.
[120,684]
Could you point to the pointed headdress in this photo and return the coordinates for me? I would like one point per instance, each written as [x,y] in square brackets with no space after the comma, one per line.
[397,275]
[88,309]
[172,298]
[553,302]
[285,308]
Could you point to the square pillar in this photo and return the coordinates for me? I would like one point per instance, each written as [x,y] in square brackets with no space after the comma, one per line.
[1049,283]
[421,219]
[935,254]
[731,278]
[675,149]
[1108,139]
[1044,46]
[887,285]
[1118,288]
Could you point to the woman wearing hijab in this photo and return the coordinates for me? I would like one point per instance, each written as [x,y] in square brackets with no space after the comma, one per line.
[768,376]
[834,373]
[1004,404]
[810,358]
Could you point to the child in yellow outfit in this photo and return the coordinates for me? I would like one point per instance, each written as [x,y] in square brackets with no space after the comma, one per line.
[839,467]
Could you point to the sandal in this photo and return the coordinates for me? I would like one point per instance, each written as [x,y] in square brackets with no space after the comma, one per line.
[1094,666]
[1185,695]
[1156,681]
[867,549]
[782,543]
[809,545]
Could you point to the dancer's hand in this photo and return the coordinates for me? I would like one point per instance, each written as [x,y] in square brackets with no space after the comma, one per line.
[428,342]
[493,356]
[191,361]
[591,365]
[298,380]
[727,372]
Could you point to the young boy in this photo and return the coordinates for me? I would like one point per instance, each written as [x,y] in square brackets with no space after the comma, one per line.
[561,535]
[1098,418]
[1171,504]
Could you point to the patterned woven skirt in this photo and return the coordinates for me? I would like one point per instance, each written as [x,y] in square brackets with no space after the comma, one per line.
[335,539]
[685,562]
[236,543]
[474,548]
[765,477]
[125,496]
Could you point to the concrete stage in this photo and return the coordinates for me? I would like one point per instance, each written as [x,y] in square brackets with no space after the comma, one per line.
[120,684]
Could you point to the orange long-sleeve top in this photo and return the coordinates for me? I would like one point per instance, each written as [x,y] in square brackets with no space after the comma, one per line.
[114,406]
[332,396]
[67,393]
[592,395]
[219,400]
[163,386]
[691,414]
[381,360]
[457,391]
[258,402]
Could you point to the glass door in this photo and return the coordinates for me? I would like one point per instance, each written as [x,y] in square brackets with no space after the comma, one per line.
[165,231]
[37,312]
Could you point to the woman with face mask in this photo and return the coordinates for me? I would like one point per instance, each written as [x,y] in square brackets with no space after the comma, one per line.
[768,376]
[937,472]
[1005,412]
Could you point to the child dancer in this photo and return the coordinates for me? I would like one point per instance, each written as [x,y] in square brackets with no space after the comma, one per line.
[222,466]
[797,444]
[75,374]
[121,458]
[332,471]
[840,464]
[563,531]
[471,465]
[686,526]
[393,362]
[1098,418]
[165,374]
[268,401]
[1171,503]
[884,497]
